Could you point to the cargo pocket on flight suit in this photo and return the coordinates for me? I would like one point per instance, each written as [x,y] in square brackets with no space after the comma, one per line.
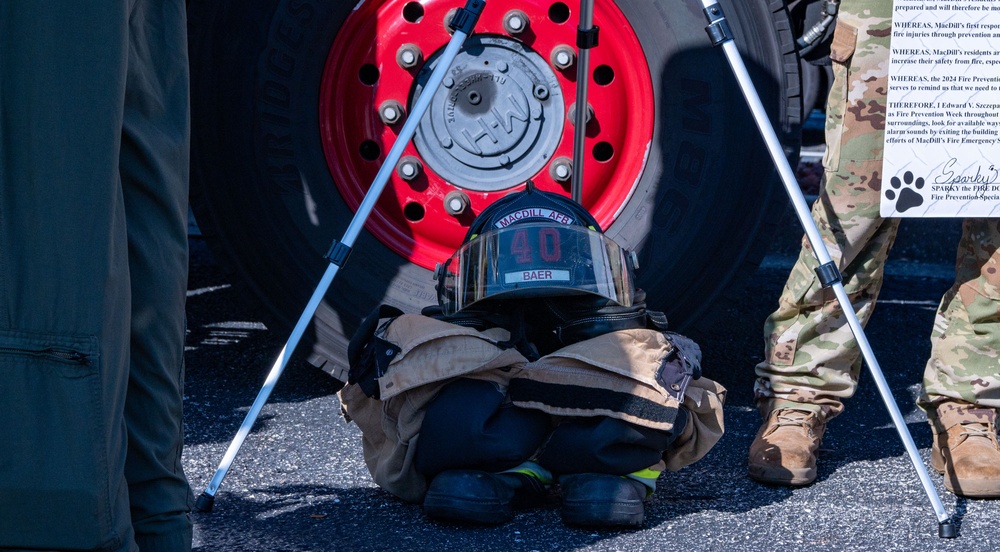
[845,41]
[53,466]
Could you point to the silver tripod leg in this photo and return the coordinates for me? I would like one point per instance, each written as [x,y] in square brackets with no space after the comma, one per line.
[829,275]
[462,24]
[586,38]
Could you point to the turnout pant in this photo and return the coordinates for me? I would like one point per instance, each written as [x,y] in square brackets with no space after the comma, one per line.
[471,425]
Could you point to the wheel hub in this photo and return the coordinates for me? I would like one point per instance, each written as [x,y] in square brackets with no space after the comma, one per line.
[497,118]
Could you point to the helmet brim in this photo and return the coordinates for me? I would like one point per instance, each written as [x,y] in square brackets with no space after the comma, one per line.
[535,260]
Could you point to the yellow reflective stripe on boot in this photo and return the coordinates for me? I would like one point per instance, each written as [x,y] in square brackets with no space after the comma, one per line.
[647,477]
[532,469]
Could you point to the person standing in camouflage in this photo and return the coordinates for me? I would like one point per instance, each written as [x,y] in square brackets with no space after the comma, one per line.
[812,359]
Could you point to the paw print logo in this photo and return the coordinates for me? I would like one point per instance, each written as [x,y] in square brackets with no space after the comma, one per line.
[908,197]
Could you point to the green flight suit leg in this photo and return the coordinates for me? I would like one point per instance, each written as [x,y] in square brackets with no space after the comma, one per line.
[94,138]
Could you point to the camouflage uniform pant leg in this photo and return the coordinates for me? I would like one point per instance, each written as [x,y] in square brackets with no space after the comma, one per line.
[965,343]
[811,357]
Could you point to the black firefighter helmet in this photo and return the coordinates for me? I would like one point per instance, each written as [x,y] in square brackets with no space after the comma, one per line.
[535,244]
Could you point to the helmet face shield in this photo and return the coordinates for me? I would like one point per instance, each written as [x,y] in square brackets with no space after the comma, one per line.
[535,260]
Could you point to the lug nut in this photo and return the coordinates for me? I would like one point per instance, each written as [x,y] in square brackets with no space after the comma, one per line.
[408,168]
[561,169]
[455,203]
[391,112]
[562,57]
[540,92]
[572,113]
[447,20]
[515,22]
[409,56]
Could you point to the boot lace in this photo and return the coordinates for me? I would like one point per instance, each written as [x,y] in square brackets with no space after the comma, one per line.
[789,417]
[984,430]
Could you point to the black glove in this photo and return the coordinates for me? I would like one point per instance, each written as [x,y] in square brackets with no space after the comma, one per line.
[369,355]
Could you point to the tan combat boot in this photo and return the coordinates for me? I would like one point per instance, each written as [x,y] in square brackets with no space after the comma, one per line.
[784,452]
[966,449]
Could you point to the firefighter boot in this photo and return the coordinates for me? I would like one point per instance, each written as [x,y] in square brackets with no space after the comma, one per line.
[480,497]
[784,451]
[966,450]
[602,500]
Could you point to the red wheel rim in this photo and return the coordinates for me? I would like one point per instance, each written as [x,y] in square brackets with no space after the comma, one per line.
[362,74]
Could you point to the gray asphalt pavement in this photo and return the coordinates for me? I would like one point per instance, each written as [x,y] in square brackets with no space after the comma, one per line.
[300,482]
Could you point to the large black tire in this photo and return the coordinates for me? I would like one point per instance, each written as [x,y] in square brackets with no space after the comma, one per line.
[264,198]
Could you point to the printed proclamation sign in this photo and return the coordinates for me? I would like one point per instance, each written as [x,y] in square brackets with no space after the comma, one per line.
[942,129]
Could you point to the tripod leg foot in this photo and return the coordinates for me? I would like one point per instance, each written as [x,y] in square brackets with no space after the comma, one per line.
[947,530]
[204,503]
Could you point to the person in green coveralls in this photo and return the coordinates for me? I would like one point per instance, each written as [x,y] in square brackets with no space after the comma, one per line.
[94,145]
